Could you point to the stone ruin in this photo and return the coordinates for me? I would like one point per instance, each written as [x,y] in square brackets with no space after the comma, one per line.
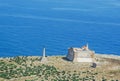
[83,54]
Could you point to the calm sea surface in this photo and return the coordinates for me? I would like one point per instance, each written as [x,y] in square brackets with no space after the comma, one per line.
[26,26]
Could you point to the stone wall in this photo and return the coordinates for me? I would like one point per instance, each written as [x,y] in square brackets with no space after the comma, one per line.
[79,55]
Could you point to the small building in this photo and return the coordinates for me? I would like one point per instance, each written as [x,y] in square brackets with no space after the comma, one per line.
[83,54]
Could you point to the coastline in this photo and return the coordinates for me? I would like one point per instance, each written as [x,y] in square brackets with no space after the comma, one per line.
[96,55]
[108,56]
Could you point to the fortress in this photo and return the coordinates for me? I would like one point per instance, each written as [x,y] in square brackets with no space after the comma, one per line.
[83,54]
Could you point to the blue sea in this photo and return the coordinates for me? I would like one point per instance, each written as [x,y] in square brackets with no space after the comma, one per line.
[27,26]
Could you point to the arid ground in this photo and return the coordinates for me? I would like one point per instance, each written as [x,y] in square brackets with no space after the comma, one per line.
[58,68]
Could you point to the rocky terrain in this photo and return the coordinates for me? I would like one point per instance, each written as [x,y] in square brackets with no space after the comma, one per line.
[58,68]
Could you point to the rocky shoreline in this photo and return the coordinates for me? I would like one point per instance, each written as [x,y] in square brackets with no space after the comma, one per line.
[108,56]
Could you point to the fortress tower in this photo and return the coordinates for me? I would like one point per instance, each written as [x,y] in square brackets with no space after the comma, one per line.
[83,54]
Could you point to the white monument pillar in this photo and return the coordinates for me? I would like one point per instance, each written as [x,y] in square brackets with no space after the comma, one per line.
[43,52]
[43,59]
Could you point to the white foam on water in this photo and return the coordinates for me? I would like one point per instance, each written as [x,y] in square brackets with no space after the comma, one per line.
[58,19]
[72,9]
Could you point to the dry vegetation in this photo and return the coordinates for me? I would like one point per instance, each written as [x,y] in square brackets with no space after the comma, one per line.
[57,68]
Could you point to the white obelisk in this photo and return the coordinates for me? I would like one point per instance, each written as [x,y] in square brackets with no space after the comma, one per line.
[43,52]
[43,59]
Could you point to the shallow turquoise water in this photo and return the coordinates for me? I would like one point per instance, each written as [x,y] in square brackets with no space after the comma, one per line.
[26,26]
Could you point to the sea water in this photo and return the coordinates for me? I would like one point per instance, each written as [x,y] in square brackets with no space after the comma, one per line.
[27,26]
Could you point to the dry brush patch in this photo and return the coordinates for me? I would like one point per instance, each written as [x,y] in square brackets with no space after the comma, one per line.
[108,69]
